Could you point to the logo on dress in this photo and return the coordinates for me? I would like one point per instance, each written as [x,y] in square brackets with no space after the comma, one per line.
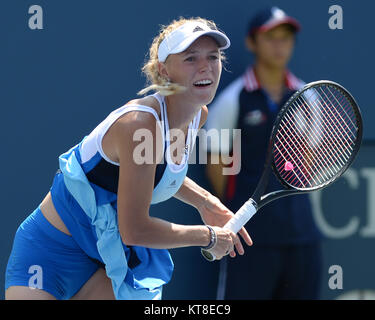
[255,118]
[172,184]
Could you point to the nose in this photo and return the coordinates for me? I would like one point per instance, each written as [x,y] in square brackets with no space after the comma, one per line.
[280,42]
[204,65]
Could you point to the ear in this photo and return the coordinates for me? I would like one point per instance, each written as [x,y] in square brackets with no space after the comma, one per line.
[250,44]
[162,68]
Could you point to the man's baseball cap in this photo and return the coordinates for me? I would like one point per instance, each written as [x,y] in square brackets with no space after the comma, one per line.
[181,38]
[269,18]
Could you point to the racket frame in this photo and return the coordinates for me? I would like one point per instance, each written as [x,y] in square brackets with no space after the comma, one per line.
[258,198]
[270,159]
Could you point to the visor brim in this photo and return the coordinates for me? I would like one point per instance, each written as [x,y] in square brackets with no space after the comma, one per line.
[221,39]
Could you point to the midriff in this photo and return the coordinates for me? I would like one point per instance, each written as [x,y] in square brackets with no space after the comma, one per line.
[49,212]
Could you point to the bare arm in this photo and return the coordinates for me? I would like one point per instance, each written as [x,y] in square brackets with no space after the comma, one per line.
[192,194]
[212,211]
[136,183]
[214,173]
[210,208]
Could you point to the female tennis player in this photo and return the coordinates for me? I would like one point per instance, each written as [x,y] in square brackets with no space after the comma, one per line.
[92,236]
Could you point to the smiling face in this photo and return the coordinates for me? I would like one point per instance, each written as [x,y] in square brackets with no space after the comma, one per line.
[198,69]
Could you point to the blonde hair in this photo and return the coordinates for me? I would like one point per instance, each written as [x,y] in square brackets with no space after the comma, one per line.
[151,67]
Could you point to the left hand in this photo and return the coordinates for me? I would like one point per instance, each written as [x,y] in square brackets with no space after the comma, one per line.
[214,213]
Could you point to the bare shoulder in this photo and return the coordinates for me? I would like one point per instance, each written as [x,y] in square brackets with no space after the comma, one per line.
[204,115]
[126,126]
[132,121]
[126,131]
[148,101]
[140,129]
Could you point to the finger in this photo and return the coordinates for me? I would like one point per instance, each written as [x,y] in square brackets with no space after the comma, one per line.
[220,257]
[244,234]
[238,245]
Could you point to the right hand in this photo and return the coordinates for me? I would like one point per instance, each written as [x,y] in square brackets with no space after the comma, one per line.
[215,213]
[226,241]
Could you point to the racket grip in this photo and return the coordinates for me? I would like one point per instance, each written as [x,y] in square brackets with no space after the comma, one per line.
[243,215]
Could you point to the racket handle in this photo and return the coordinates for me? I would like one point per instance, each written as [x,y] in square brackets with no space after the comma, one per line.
[243,215]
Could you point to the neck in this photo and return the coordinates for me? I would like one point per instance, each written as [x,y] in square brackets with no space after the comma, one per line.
[271,79]
[180,112]
[269,76]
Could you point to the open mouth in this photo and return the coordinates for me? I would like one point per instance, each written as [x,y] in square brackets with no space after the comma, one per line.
[202,83]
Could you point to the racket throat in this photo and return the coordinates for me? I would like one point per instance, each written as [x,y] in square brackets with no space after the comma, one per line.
[252,201]
[262,185]
[277,195]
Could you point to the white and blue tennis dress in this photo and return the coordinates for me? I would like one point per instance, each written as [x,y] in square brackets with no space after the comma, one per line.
[84,193]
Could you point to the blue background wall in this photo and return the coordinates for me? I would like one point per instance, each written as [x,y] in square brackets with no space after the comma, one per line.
[86,62]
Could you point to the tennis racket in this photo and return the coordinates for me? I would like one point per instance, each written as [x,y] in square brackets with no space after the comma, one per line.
[315,138]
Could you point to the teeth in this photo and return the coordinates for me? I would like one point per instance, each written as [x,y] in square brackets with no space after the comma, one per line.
[203,82]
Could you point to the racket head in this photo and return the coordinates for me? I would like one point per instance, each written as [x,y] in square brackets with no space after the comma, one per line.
[316,136]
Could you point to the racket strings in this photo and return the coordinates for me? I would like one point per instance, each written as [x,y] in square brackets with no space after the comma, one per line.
[338,124]
[326,139]
[313,124]
[328,136]
[300,144]
[334,120]
[307,151]
[344,106]
[316,137]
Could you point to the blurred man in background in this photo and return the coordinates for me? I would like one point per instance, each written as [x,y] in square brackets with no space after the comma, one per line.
[285,260]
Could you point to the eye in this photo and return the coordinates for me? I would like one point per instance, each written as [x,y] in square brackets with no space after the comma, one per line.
[190,59]
[268,37]
[213,57]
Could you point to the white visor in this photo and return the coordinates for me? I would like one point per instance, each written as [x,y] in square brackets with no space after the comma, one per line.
[181,38]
